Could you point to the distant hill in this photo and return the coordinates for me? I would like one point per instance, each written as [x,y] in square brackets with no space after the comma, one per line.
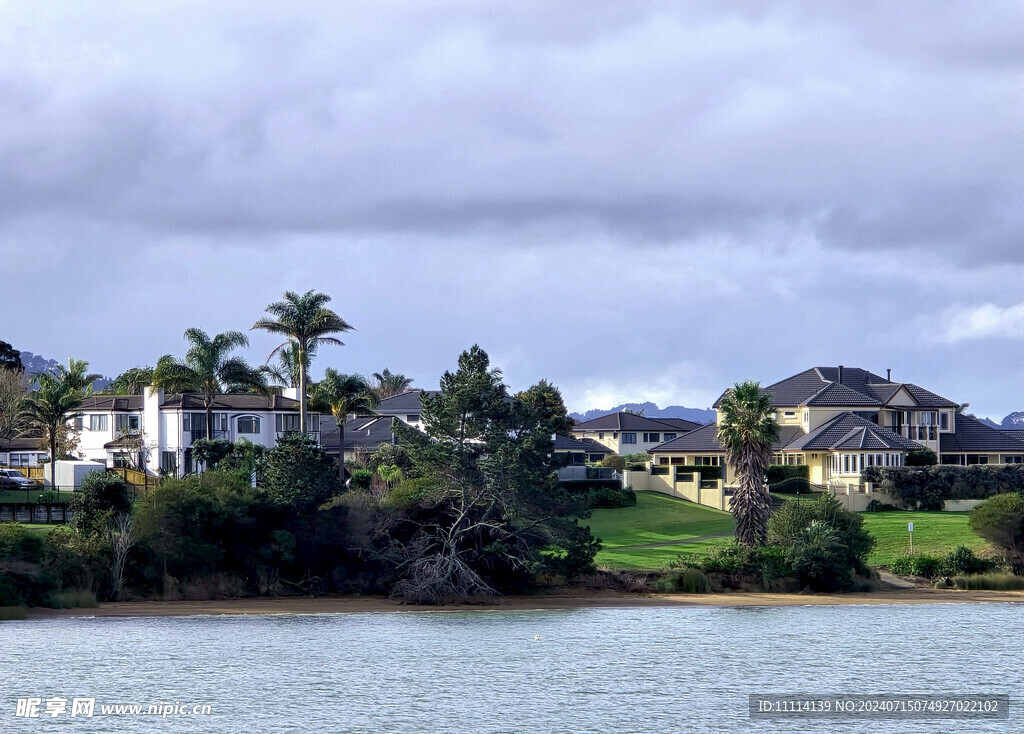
[1014,420]
[651,410]
[36,363]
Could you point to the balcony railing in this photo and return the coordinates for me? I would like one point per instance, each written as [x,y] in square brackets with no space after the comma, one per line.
[201,433]
[918,433]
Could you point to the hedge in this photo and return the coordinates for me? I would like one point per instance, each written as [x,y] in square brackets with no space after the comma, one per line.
[928,487]
[706,472]
[796,478]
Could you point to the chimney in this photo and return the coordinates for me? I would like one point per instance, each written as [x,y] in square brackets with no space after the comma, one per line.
[888,374]
[840,374]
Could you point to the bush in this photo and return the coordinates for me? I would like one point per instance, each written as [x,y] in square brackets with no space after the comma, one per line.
[928,487]
[101,496]
[74,599]
[18,544]
[361,479]
[618,463]
[876,506]
[684,580]
[961,561]
[602,497]
[921,457]
[1000,520]
[990,581]
[923,565]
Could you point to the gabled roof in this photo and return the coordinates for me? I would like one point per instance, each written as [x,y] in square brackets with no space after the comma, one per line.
[703,439]
[680,424]
[407,402]
[128,442]
[239,402]
[974,436]
[624,421]
[593,447]
[21,443]
[849,432]
[858,387]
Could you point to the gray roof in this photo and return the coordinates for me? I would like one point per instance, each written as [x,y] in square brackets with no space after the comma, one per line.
[1017,433]
[974,436]
[848,432]
[21,443]
[407,402]
[593,447]
[113,403]
[193,401]
[564,443]
[361,434]
[857,388]
[624,421]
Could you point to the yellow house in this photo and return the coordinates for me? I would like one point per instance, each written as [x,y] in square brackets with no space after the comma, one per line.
[838,420]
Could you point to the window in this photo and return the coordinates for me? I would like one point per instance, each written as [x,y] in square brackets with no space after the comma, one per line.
[943,421]
[668,436]
[125,423]
[20,460]
[628,438]
[600,434]
[97,422]
[169,462]
[413,418]
[287,423]
[659,470]
[662,459]
[652,438]
[78,423]
[1013,459]
[789,413]
[705,461]
[679,460]
[248,424]
[122,460]
[595,458]
[807,416]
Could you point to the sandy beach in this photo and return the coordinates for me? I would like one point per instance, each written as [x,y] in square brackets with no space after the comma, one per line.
[580,600]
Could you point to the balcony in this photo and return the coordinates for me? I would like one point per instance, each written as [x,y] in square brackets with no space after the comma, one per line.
[194,436]
[918,433]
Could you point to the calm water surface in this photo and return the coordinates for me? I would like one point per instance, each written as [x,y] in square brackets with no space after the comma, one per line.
[591,670]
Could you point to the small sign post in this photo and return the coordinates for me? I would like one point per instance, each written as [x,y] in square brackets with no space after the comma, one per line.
[910,529]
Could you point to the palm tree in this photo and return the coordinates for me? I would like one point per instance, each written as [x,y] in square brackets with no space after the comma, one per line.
[306,323]
[389,383]
[58,396]
[286,371]
[343,394]
[747,431]
[208,369]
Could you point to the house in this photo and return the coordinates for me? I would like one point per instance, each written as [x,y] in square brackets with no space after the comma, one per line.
[838,420]
[628,433]
[22,452]
[155,432]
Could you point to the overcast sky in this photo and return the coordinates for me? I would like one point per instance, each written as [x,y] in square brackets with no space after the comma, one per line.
[637,201]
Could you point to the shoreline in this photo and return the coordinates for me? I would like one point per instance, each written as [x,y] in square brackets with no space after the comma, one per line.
[583,600]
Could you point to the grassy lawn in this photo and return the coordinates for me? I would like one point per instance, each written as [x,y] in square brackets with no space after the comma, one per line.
[935,533]
[656,518]
[18,495]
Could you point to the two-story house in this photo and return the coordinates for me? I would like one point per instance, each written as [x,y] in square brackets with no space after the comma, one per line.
[628,433]
[839,420]
[155,432]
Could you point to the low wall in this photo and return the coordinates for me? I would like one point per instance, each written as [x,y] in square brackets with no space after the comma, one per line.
[687,490]
[960,505]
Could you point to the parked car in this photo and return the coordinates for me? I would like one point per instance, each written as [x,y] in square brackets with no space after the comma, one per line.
[14,479]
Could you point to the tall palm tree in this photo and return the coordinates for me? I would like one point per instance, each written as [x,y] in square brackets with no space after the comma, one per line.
[305,322]
[286,371]
[342,394]
[389,383]
[207,369]
[58,396]
[747,431]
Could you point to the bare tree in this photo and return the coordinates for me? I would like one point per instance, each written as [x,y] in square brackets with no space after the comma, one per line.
[121,536]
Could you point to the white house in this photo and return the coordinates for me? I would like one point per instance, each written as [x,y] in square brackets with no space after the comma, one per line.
[155,432]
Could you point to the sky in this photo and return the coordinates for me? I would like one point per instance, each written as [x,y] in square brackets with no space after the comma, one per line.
[635,201]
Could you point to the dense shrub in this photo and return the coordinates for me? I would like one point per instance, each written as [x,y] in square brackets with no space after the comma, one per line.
[921,457]
[602,497]
[928,487]
[959,561]
[684,580]
[618,463]
[923,565]
[101,496]
[990,581]
[1000,520]
[298,473]
[361,479]
[876,506]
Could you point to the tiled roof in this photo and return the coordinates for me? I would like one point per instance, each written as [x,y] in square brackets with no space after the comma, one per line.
[849,431]
[974,436]
[564,443]
[21,443]
[857,388]
[364,434]
[1017,433]
[240,402]
[593,447]
[407,402]
[680,424]
[703,439]
[624,421]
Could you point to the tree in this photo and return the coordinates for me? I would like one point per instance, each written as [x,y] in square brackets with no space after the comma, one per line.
[342,394]
[13,389]
[488,502]
[286,371]
[747,431]
[298,474]
[306,323]
[101,498]
[10,358]
[921,457]
[132,381]
[120,536]
[208,369]
[1000,520]
[58,396]
[389,384]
